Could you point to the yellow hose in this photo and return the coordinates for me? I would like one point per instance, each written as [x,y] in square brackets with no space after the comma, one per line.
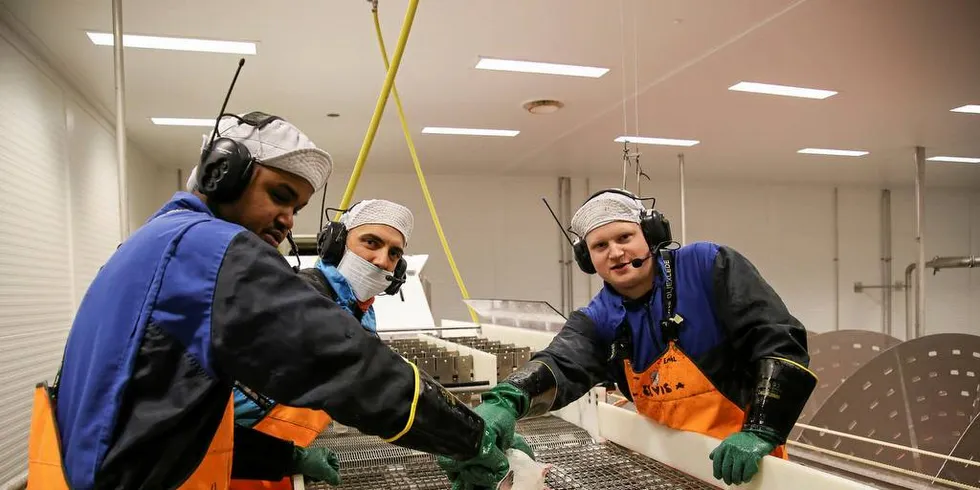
[379,108]
[418,171]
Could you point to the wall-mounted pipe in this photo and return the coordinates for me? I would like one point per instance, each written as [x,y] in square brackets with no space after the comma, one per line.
[920,210]
[683,191]
[562,244]
[935,264]
[569,272]
[886,260]
[836,259]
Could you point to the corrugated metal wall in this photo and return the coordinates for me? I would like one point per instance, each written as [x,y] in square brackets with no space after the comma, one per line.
[59,221]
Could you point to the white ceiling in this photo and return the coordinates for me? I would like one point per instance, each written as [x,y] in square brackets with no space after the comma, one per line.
[899,65]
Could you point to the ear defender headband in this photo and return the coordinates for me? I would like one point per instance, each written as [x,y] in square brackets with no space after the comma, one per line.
[655,228]
[226,165]
[331,244]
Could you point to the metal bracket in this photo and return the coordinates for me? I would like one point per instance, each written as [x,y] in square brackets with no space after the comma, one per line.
[898,286]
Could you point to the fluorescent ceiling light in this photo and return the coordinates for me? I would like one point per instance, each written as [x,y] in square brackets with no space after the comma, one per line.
[971,108]
[470,131]
[655,141]
[838,153]
[181,121]
[954,159]
[539,67]
[766,88]
[174,43]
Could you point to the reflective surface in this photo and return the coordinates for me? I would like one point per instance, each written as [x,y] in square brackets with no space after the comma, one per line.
[535,315]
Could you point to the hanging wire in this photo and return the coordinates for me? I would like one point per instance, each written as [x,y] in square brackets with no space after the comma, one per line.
[622,35]
[636,100]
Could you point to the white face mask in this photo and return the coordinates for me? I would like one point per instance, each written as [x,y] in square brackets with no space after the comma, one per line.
[366,279]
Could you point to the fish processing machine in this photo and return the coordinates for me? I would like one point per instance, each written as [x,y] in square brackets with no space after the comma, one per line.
[886,414]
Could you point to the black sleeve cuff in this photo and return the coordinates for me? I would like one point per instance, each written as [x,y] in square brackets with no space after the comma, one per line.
[782,389]
[539,385]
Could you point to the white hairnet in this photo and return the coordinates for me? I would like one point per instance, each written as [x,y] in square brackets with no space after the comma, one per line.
[380,212]
[605,208]
[278,144]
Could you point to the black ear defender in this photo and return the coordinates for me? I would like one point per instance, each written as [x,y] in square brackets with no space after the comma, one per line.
[654,226]
[331,244]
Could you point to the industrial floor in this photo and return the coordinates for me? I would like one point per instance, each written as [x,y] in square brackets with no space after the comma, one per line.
[578,462]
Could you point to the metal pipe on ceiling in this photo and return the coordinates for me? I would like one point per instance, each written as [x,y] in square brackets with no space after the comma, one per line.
[562,244]
[836,259]
[683,194]
[121,164]
[920,205]
[886,261]
[566,216]
[937,263]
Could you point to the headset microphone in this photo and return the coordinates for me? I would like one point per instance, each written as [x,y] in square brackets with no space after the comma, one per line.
[637,263]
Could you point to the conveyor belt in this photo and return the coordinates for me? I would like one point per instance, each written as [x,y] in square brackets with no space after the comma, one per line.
[578,463]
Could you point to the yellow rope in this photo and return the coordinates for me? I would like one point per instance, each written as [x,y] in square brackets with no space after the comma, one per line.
[379,108]
[421,176]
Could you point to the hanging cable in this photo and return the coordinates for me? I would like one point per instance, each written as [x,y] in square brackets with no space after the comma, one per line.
[418,170]
[379,107]
[636,101]
[622,50]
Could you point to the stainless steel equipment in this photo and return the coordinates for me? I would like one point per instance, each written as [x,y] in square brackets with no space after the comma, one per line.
[577,462]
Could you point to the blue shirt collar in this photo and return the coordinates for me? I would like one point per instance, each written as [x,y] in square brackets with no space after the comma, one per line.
[345,294]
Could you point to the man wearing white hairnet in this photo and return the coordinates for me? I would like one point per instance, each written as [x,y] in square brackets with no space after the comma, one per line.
[360,257]
[693,336]
[200,298]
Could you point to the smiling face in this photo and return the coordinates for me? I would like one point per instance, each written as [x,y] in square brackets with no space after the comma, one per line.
[380,245]
[269,203]
[612,246]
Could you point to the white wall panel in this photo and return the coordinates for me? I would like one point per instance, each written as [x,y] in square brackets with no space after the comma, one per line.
[35,284]
[60,217]
[94,196]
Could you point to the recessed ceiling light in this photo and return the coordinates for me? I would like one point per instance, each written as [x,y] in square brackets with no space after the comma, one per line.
[766,88]
[174,43]
[181,121]
[655,141]
[955,159]
[470,131]
[970,108]
[837,153]
[540,67]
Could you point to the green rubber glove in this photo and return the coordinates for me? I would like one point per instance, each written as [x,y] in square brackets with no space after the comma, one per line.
[521,445]
[736,459]
[318,463]
[499,411]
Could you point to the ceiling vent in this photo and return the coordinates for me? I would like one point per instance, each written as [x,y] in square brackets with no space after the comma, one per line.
[543,106]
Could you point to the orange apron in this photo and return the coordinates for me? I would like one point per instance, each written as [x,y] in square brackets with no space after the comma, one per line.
[673,390]
[45,469]
[300,425]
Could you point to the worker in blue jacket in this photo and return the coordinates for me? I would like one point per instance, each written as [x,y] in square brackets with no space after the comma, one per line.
[198,298]
[693,336]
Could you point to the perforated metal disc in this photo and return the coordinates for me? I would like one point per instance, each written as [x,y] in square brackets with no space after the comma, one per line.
[968,447]
[922,393]
[835,356]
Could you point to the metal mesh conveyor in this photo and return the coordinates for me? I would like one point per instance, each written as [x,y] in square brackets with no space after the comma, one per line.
[577,462]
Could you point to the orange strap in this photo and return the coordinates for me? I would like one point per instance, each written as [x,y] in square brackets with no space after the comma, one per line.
[674,392]
[45,468]
[300,425]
